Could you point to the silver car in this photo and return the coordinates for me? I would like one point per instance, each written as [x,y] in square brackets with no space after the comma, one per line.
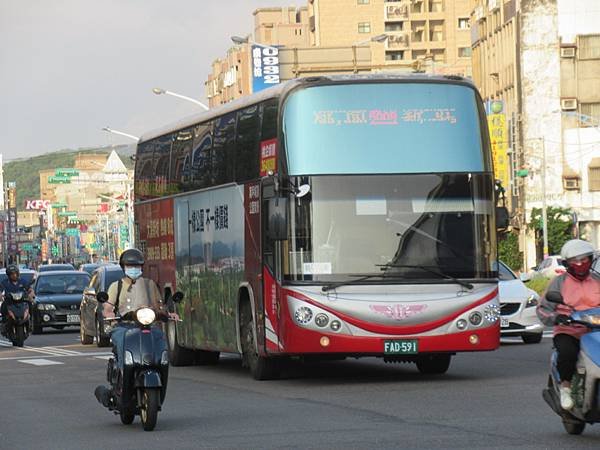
[517,308]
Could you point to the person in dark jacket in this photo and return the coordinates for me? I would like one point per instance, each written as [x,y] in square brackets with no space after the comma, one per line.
[580,290]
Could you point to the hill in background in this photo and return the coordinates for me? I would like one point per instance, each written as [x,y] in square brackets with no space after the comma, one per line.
[25,171]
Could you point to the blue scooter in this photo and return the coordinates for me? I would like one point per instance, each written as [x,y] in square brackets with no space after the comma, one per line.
[585,385]
[17,325]
[138,384]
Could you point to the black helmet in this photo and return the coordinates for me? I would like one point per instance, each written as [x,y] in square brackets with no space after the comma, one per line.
[131,257]
[12,268]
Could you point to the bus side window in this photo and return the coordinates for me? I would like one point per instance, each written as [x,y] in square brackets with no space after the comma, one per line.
[248,135]
[224,149]
[162,159]
[144,170]
[200,170]
[180,161]
[269,120]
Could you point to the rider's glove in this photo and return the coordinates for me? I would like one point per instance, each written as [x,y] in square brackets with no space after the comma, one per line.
[562,319]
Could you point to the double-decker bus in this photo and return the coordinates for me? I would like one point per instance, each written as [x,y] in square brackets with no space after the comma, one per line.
[327,216]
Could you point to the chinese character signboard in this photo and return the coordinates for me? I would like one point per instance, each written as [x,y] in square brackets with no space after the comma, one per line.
[499,142]
[268,157]
[265,67]
[11,230]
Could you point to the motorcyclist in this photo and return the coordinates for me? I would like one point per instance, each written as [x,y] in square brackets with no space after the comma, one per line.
[125,296]
[580,290]
[12,284]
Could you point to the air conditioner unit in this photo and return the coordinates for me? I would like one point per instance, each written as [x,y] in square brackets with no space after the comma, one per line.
[567,52]
[571,184]
[568,104]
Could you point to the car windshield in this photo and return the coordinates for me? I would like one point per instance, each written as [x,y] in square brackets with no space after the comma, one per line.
[69,283]
[504,272]
[25,277]
[52,267]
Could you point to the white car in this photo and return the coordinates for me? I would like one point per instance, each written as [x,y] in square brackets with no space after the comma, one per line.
[517,307]
[550,267]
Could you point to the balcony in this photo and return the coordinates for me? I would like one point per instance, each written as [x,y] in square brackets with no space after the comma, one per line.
[398,41]
[396,12]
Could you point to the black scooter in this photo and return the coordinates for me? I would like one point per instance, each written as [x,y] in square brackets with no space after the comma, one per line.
[139,382]
[17,327]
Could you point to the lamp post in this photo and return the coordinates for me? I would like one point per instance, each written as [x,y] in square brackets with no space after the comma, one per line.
[131,136]
[160,91]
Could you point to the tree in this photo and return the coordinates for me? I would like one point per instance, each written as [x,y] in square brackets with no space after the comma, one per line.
[560,227]
[508,250]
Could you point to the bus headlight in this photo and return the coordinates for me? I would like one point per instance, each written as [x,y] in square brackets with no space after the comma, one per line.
[475,318]
[491,313]
[321,320]
[303,315]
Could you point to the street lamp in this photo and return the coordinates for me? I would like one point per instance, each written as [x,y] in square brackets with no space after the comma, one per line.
[131,136]
[160,91]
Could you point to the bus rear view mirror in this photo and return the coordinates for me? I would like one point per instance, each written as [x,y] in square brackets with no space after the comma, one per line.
[502,218]
[277,219]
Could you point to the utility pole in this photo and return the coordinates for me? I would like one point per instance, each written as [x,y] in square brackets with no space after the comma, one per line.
[544,211]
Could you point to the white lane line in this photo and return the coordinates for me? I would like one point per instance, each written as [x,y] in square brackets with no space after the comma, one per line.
[91,354]
[39,362]
[105,357]
[60,350]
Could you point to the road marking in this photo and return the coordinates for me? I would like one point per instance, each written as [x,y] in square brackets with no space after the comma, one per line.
[39,362]
[106,357]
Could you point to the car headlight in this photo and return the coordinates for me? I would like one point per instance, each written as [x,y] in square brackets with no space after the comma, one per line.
[145,316]
[46,307]
[532,300]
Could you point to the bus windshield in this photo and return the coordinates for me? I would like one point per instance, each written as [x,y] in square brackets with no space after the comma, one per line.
[383,128]
[421,226]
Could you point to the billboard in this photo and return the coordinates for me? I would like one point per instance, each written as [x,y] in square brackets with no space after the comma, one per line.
[499,142]
[265,67]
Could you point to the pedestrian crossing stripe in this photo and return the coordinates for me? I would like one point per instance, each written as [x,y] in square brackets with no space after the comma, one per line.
[39,362]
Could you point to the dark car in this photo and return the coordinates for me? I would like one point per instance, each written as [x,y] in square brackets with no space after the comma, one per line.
[53,267]
[57,299]
[89,267]
[92,325]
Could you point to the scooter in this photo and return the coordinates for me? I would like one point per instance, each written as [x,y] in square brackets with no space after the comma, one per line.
[585,385]
[139,383]
[17,327]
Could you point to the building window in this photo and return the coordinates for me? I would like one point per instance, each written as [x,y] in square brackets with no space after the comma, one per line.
[394,26]
[464,23]
[436,5]
[590,114]
[364,27]
[436,30]
[363,2]
[394,56]
[464,52]
[589,47]
[594,175]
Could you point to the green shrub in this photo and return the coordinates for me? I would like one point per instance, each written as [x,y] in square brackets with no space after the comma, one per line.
[538,284]
[508,250]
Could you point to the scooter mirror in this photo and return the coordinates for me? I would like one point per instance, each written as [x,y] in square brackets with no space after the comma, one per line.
[554,297]
[177,296]
[102,297]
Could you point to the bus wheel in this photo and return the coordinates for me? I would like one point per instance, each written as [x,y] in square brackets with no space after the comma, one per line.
[178,356]
[260,367]
[206,358]
[434,364]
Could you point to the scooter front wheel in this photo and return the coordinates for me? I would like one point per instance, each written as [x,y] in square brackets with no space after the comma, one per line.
[573,426]
[149,408]
[19,336]
[127,416]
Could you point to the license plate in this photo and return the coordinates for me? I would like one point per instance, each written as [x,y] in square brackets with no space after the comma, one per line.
[401,347]
[504,323]
[72,318]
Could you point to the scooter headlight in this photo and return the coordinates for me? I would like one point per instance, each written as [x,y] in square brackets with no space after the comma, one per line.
[17,296]
[145,316]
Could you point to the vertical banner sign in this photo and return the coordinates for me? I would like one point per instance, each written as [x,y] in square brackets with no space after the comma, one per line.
[499,141]
[265,67]
[12,218]
[268,157]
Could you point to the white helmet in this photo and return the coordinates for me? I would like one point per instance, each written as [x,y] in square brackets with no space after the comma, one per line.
[576,248]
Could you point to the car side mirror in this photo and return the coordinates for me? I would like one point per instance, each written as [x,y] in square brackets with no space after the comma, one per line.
[502,218]
[525,277]
[102,297]
[177,297]
[89,291]
[554,297]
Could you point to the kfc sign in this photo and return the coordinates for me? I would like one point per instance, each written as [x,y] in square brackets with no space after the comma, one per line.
[37,204]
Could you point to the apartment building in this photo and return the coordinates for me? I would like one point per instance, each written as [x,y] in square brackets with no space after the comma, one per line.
[540,59]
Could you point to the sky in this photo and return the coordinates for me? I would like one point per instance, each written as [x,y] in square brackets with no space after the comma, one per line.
[70,67]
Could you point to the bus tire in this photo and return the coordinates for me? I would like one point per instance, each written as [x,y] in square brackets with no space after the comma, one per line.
[434,364]
[206,358]
[178,356]
[260,367]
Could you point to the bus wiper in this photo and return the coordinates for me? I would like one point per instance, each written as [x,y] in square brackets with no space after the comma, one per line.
[466,284]
[336,284]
